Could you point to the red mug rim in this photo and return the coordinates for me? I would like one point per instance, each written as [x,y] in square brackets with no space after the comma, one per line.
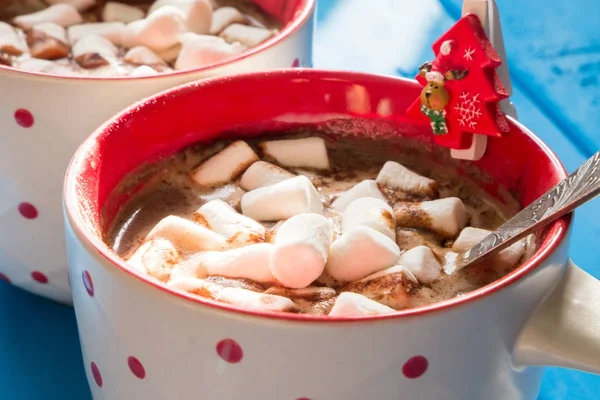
[307,7]
[557,231]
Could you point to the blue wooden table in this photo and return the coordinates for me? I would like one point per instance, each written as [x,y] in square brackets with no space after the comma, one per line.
[554,55]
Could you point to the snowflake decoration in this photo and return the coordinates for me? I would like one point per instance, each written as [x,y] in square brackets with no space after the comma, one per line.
[468,109]
[469,54]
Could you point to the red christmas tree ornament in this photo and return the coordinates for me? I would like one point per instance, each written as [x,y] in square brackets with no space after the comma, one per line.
[461,89]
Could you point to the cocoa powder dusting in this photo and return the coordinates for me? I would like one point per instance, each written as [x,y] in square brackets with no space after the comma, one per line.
[410,215]
[388,218]
[240,283]
[393,290]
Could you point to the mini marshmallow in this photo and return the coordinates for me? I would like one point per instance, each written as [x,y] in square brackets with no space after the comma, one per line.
[252,301]
[225,16]
[105,71]
[5,59]
[249,36]
[200,50]
[446,217]
[170,55]
[188,269]
[199,287]
[197,13]
[370,212]
[94,51]
[52,30]
[194,278]
[211,286]
[225,166]
[243,283]
[359,253]
[119,12]
[61,14]
[46,67]
[396,269]
[390,287]
[135,260]
[250,262]
[510,256]
[307,293]
[282,200]
[48,41]
[239,230]
[79,5]
[409,238]
[470,236]
[187,235]
[350,304]
[156,258]
[143,70]
[397,176]
[272,232]
[366,188]
[109,30]
[449,265]
[141,55]
[309,152]
[231,194]
[422,263]
[310,300]
[10,42]
[301,249]
[159,31]
[261,174]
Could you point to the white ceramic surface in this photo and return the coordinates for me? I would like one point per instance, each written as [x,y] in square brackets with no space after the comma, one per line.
[142,341]
[44,118]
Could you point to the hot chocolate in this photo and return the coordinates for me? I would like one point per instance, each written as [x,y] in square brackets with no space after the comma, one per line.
[308,224]
[135,38]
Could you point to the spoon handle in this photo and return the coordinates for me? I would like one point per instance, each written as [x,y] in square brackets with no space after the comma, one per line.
[573,191]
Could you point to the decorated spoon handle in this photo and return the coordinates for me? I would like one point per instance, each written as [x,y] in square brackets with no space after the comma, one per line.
[573,191]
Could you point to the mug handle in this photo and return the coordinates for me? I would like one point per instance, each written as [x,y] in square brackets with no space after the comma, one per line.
[565,330]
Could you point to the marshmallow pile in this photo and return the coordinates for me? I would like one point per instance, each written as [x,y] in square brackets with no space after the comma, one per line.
[288,237]
[172,34]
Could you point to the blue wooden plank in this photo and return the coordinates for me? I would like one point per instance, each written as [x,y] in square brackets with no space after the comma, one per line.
[40,357]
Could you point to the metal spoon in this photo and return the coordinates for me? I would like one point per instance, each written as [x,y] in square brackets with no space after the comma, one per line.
[576,189]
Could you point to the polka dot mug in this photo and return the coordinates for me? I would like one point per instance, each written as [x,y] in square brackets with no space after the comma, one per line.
[144,340]
[44,118]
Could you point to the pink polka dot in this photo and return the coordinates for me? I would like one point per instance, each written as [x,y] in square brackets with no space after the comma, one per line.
[87,282]
[230,351]
[39,277]
[415,367]
[4,278]
[24,118]
[96,374]
[296,63]
[136,367]
[28,210]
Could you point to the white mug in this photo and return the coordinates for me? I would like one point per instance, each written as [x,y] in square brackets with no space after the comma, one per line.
[45,118]
[143,340]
